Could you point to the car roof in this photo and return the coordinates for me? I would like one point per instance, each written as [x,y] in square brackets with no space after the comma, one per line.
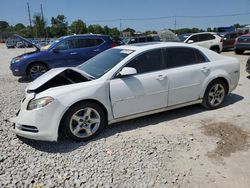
[152,45]
[85,35]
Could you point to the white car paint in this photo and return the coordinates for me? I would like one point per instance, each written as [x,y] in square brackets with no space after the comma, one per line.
[129,97]
[217,41]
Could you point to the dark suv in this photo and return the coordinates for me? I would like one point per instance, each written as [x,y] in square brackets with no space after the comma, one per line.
[67,51]
[228,39]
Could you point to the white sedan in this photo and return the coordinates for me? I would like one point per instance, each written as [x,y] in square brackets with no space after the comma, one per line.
[120,84]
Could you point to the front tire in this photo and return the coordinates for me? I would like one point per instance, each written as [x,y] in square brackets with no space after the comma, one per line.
[36,69]
[215,94]
[84,121]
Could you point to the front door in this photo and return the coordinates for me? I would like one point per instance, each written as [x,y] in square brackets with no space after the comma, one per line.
[145,91]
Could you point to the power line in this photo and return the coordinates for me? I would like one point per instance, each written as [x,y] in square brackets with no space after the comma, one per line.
[169,17]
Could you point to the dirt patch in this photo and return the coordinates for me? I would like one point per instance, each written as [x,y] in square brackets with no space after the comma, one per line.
[232,139]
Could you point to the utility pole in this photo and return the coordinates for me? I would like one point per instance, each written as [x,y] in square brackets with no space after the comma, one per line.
[120,27]
[30,18]
[41,6]
[46,33]
[175,24]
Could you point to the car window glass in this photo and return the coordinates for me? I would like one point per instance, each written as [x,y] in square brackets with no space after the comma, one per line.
[99,41]
[200,58]
[142,39]
[86,42]
[233,35]
[194,38]
[148,61]
[66,45]
[204,37]
[182,56]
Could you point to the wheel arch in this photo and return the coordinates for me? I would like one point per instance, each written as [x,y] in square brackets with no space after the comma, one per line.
[32,63]
[222,78]
[59,130]
[215,47]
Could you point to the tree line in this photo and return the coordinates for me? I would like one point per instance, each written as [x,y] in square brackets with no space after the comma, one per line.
[59,26]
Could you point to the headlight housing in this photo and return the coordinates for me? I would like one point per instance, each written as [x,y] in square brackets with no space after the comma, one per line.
[16,60]
[39,103]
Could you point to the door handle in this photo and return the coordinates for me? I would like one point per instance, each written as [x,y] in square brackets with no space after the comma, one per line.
[160,77]
[73,53]
[204,69]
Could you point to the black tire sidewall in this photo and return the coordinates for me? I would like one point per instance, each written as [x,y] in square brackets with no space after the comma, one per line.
[81,105]
[35,64]
[206,102]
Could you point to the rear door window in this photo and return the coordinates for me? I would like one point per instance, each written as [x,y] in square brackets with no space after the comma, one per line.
[86,42]
[204,37]
[183,56]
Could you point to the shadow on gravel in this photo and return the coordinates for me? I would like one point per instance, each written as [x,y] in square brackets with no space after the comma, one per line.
[248,77]
[24,80]
[64,145]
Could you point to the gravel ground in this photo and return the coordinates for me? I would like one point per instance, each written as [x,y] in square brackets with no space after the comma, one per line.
[187,147]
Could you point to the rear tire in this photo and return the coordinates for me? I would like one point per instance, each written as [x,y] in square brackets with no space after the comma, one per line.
[239,52]
[214,94]
[83,121]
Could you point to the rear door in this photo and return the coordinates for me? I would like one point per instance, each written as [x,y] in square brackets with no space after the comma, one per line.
[88,47]
[205,40]
[187,70]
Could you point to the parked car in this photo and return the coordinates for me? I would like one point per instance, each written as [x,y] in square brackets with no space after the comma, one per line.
[66,51]
[10,43]
[141,39]
[205,39]
[228,39]
[20,44]
[122,83]
[242,43]
[248,65]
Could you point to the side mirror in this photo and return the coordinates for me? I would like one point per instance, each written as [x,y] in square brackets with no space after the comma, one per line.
[224,38]
[190,41]
[127,71]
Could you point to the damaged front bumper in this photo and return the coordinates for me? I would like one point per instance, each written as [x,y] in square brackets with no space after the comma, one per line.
[38,124]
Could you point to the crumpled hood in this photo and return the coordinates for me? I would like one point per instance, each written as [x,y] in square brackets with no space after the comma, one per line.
[69,74]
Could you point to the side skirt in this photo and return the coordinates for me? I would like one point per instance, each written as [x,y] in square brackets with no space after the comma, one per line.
[154,111]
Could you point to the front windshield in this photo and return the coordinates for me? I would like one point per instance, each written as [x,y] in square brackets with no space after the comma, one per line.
[103,62]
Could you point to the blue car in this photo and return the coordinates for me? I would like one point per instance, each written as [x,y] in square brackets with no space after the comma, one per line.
[68,51]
